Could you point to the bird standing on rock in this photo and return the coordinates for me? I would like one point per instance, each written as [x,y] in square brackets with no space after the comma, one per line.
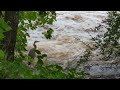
[32,53]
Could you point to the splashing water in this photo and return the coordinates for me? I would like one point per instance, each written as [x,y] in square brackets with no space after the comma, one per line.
[70,29]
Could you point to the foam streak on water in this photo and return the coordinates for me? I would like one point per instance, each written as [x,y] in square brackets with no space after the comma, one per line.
[69,29]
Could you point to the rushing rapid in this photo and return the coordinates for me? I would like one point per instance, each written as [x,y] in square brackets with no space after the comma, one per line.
[71,29]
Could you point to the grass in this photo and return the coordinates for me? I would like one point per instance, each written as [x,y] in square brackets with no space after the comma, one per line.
[18,70]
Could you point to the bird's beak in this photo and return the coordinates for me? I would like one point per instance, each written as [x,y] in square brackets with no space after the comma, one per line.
[37,41]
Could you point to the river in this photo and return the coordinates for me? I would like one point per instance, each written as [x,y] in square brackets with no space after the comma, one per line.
[70,29]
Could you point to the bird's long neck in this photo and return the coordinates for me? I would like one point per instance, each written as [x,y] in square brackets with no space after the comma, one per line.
[34,45]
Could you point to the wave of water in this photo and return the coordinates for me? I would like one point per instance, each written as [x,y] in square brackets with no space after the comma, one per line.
[69,29]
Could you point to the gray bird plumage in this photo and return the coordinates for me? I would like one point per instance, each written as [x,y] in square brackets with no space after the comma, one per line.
[32,53]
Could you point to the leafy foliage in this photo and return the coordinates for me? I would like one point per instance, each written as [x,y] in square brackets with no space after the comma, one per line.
[2,54]
[17,69]
[109,44]
[40,57]
[85,57]
[112,36]
[32,20]
[48,34]
[3,28]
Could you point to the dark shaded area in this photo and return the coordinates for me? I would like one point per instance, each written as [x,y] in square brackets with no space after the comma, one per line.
[12,19]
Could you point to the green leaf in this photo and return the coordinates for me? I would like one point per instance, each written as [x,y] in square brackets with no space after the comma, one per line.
[4,25]
[30,15]
[1,30]
[1,36]
[31,20]
[48,34]
[59,67]
[2,54]
[40,62]
[39,57]
[37,51]
[44,55]
[27,34]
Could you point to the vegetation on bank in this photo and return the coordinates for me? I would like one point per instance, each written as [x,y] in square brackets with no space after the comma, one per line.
[13,33]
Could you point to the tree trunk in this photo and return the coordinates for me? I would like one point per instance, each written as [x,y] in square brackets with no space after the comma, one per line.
[11,17]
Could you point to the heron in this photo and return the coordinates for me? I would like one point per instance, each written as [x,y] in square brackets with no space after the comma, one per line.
[32,53]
